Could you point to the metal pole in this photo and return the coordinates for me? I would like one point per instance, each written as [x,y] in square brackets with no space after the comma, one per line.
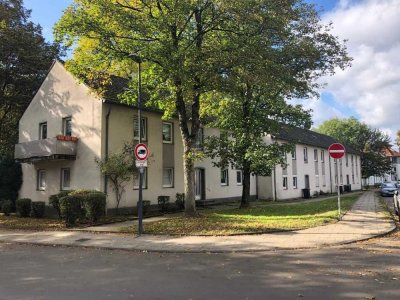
[140,204]
[338,185]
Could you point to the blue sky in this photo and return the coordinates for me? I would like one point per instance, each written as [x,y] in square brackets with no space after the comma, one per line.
[369,90]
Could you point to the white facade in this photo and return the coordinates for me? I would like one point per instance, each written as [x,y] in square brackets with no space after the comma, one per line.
[61,100]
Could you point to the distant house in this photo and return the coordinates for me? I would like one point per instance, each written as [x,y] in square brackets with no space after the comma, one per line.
[66,127]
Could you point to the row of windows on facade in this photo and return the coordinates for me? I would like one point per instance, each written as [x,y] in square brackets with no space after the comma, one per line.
[294,181]
[167,178]
[322,155]
[66,128]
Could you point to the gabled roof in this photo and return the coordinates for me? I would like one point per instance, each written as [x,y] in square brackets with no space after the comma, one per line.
[309,137]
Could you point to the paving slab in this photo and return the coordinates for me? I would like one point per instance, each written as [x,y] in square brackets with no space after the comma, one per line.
[365,220]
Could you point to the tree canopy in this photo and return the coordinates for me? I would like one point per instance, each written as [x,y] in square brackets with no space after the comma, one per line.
[25,58]
[194,49]
[369,142]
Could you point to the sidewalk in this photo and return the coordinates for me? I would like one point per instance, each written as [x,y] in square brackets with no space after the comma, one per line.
[365,220]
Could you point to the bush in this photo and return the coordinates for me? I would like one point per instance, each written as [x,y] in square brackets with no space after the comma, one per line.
[23,207]
[163,203]
[54,200]
[146,206]
[180,200]
[94,205]
[6,207]
[10,179]
[70,208]
[38,209]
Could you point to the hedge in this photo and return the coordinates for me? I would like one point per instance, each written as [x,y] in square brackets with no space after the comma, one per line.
[94,205]
[6,207]
[38,209]
[23,207]
[54,200]
[70,209]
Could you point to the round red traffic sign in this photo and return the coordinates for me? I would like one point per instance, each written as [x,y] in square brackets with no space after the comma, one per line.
[336,150]
[141,152]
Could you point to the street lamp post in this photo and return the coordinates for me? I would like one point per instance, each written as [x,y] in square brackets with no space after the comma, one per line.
[138,60]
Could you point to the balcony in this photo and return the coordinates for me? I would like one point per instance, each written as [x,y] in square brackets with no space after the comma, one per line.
[48,149]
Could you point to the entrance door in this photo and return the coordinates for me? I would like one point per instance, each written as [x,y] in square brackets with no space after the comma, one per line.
[199,184]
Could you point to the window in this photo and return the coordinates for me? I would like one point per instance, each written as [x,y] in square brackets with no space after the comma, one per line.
[305,152]
[352,179]
[322,155]
[347,160]
[41,180]
[199,139]
[315,154]
[136,179]
[67,126]
[294,154]
[43,131]
[168,177]
[65,179]
[285,185]
[294,182]
[143,129]
[316,180]
[167,132]
[225,176]
[239,177]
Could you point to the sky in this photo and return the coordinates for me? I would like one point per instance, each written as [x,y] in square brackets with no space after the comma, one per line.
[369,90]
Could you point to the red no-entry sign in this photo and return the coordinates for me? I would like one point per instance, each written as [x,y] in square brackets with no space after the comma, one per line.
[141,152]
[336,150]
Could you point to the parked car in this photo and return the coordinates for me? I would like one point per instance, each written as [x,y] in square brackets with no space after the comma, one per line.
[388,189]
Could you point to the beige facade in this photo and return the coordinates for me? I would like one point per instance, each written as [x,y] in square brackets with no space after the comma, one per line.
[61,97]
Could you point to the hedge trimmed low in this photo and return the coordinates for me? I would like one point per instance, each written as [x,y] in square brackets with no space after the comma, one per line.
[94,205]
[70,209]
[38,209]
[6,207]
[23,207]
[54,200]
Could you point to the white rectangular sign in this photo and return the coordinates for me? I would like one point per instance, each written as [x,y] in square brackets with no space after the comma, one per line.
[141,163]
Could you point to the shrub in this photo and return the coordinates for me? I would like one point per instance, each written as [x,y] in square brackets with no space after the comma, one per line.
[163,203]
[10,179]
[94,205]
[38,209]
[146,206]
[180,200]
[6,207]
[54,200]
[23,207]
[70,208]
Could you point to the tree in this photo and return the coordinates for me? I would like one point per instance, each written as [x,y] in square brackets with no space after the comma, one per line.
[398,138]
[118,168]
[10,179]
[25,58]
[276,54]
[369,142]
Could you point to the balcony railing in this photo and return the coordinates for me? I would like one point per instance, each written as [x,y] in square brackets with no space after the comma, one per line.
[47,149]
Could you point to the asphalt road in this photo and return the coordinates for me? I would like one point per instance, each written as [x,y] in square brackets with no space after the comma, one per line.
[368,270]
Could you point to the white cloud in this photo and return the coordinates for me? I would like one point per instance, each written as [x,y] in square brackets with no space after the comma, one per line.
[371,87]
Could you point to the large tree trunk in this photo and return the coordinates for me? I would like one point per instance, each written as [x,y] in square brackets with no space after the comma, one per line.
[188,176]
[245,201]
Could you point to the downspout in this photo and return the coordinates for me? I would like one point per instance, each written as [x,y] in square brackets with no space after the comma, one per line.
[274,184]
[106,146]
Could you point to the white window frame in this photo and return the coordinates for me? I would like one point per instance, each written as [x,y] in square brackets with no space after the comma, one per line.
[294,182]
[284,182]
[305,154]
[171,129]
[224,176]
[170,184]
[63,173]
[315,154]
[41,180]
[143,129]
[64,126]
[41,127]
[241,177]
[136,179]
[199,143]
[322,155]
[293,154]
[316,180]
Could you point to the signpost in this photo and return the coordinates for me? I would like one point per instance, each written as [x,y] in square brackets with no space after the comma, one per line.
[141,154]
[337,151]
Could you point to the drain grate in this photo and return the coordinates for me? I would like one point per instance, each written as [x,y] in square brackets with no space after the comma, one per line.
[82,240]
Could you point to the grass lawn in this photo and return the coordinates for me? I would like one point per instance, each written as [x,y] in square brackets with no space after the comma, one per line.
[265,218]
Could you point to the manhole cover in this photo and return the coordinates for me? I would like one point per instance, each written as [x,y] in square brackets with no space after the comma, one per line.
[82,240]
